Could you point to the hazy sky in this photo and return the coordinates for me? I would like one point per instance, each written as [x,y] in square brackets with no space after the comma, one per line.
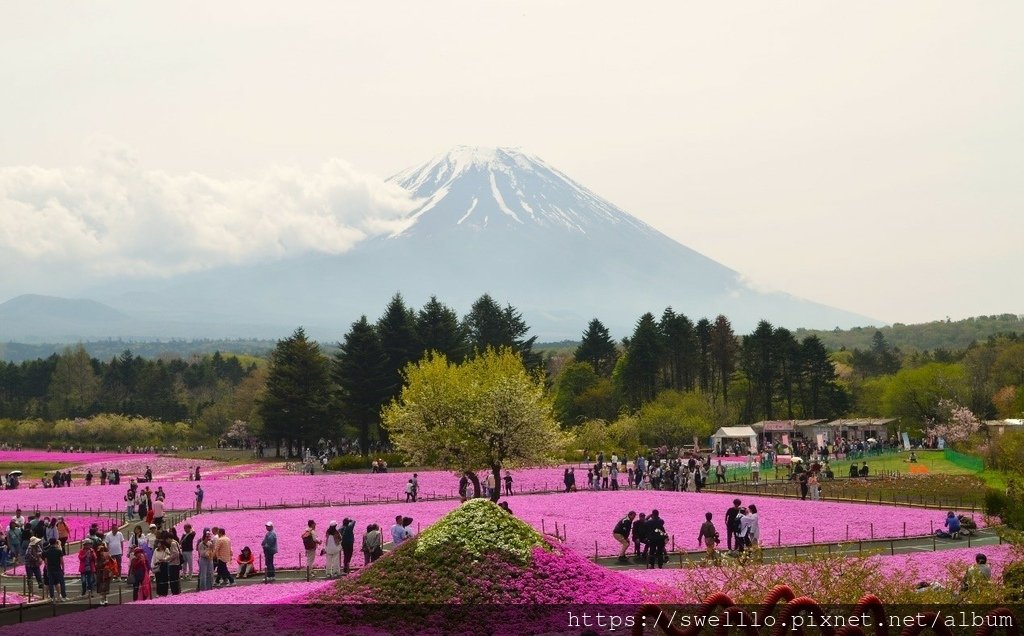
[868,155]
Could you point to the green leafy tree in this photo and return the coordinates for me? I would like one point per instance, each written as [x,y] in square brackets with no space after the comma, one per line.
[296,405]
[597,348]
[489,412]
[915,393]
[674,418]
[580,394]
[363,379]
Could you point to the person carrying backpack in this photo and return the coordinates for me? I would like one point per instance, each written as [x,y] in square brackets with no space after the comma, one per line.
[310,543]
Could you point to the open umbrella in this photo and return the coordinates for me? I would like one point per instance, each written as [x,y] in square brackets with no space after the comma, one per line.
[14,473]
[872,440]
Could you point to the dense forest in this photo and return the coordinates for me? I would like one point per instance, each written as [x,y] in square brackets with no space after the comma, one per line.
[672,379]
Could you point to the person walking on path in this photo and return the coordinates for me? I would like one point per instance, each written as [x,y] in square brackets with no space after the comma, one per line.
[348,541]
[269,546]
[199,499]
[114,542]
[310,543]
[621,534]
[508,484]
[106,571]
[708,535]
[138,576]
[158,513]
[222,555]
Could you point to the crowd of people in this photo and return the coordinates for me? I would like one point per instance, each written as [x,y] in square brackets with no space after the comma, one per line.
[646,534]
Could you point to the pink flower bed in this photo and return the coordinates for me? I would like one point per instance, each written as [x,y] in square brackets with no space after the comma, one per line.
[250,486]
[10,598]
[586,517]
[276,594]
[60,457]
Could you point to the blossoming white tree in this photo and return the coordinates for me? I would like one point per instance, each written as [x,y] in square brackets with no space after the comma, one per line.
[955,423]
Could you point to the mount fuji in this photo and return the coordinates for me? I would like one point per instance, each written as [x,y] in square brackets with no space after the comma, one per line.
[494,220]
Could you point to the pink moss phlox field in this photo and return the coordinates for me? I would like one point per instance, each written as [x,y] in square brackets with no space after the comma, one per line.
[253,487]
[10,598]
[60,457]
[277,594]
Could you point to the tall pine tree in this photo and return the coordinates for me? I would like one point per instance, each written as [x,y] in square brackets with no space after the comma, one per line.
[296,406]
[638,378]
[597,349]
[439,330]
[399,340]
[362,379]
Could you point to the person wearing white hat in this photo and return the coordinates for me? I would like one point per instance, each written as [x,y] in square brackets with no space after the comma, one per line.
[269,550]
[332,547]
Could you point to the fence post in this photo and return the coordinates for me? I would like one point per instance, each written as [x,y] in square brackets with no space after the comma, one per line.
[872,529]
[904,529]
[892,548]
[812,535]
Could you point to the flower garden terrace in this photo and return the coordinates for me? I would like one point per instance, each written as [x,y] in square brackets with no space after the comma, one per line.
[480,570]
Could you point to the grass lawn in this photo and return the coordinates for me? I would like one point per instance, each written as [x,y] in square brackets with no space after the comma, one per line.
[228,455]
[33,471]
[933,461]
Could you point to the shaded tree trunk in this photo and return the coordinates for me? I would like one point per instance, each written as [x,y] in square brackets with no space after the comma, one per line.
[473,479]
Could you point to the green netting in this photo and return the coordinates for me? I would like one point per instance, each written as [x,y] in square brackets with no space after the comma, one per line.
[968,462]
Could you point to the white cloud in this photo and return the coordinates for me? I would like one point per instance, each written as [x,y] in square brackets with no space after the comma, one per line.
[115,218]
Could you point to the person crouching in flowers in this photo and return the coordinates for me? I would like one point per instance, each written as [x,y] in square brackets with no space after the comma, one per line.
[246,563]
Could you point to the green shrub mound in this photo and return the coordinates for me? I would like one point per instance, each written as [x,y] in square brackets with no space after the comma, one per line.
[479,526]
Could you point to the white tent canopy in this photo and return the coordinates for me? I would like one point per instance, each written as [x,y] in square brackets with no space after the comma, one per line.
[737,432]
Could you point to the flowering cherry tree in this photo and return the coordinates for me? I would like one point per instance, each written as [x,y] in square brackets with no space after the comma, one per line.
[955,423]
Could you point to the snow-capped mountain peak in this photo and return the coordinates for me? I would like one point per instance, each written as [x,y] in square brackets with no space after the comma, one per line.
[485,187]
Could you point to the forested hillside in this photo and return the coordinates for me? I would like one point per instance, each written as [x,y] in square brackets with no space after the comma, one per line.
[941,334]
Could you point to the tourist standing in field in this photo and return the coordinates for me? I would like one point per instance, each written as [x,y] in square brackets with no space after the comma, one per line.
[269,546]
[87,567]
[731,523]
[158,513]
[640,537]
[222,554]
[708,535]
[63,534]
[348,541]
[34,562]
[656,537]
[199,499]
[332,548]
[188,541]
[53,556]
[399,532]
[373,544]
[206,554]
[310,543]
[508,484]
